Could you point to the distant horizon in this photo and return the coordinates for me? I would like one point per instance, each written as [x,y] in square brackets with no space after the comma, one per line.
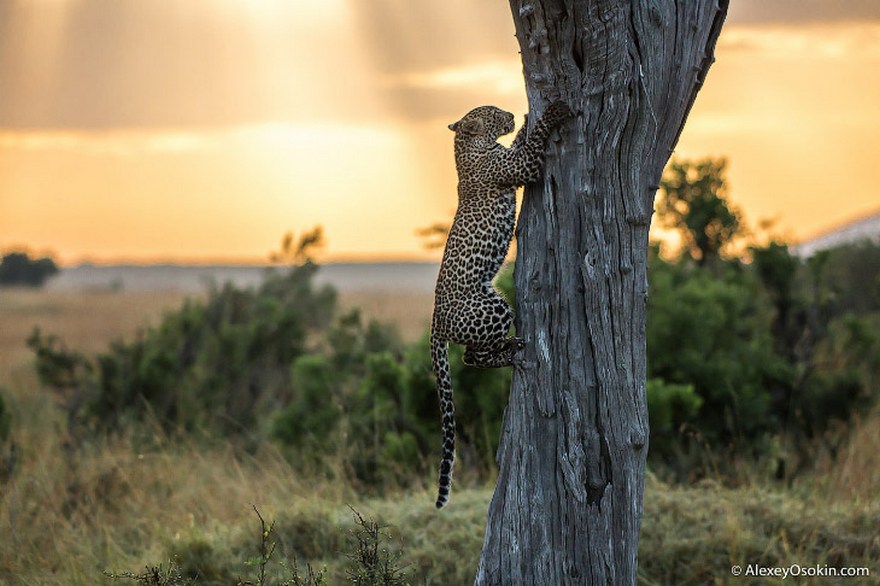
[424,257]
[415,277]
[228,262]
[840,225]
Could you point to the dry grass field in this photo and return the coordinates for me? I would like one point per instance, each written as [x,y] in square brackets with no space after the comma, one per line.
[410,312]
[90,320]
[84,320]
[66,516]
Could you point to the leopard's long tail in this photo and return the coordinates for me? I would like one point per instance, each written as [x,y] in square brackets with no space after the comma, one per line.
[440,363]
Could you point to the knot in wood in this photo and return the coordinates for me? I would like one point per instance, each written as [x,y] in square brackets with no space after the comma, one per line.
[538,77]
[637,439]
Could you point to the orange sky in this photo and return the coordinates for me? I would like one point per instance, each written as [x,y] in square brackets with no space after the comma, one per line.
[203,130]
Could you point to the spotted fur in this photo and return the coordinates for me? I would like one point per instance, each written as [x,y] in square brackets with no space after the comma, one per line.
[468,310]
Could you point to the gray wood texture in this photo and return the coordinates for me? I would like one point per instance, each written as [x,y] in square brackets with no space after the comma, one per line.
[567,508]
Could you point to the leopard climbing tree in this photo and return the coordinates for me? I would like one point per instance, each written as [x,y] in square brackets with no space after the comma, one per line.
[568,504]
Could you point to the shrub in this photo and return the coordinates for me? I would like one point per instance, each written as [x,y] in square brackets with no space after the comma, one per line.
[713,333]
[345,396]
[852,275]
[217,366]
[367,397]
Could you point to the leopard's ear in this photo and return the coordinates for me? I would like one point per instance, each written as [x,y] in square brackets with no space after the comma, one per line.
[470,126]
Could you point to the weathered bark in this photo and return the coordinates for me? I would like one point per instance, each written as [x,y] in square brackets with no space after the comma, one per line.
[568,505]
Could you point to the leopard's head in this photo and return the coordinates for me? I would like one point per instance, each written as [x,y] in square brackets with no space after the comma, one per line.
[486,122]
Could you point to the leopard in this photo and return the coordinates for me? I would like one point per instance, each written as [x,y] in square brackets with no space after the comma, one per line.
[468,309]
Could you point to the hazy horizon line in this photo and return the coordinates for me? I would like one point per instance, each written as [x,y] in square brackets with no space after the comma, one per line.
[190,261]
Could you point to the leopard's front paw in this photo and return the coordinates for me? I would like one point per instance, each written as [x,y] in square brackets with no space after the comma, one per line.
[521,363]
[557,112]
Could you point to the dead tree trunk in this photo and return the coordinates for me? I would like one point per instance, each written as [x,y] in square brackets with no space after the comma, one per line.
[568,505]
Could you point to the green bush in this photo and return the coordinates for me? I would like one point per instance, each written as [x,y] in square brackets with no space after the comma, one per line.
[367,397]
[713,333]
[348,397]
[824,327]
[767,349]
[315,412]
[846,374]
[671,407]
[217,367]
[852,276]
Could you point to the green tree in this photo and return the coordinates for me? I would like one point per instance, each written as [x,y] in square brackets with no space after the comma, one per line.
[17,268]
[712,331]
[693,200]
[852,276]
[574,442]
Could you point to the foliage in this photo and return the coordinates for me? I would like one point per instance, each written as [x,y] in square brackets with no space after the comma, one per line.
[671,409]
[433,236]
[17,268]
[712,333]
[352,398]
[693,201]
[778,350]
[266,550]
[368,397]
[217,366]
[844,374]
[279,360]
[851,274]
[159,575]
[375,401]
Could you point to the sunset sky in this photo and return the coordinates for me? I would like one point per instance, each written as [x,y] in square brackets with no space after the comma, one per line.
[202,130]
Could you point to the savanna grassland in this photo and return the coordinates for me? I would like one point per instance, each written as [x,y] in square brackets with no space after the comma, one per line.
[72,508]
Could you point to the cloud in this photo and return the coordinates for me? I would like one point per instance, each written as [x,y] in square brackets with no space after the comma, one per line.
[501,77]
[109,64]
[103,64]
[447,93]
[801,11]
[101,144]
[826,40]
[403,36]
[276,137]
[438,60]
